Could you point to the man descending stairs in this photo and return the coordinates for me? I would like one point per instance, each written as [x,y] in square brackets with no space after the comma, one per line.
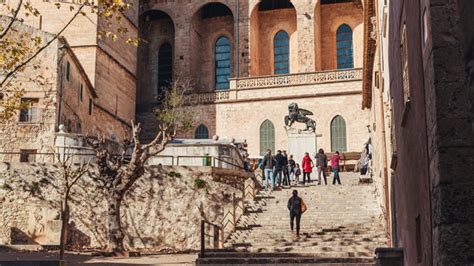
[343,224]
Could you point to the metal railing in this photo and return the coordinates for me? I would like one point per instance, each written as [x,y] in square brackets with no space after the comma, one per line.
[217,236]
[49,157]
[231,218]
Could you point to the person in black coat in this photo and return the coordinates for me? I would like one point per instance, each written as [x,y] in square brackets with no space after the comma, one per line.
[280,163]
[294,206]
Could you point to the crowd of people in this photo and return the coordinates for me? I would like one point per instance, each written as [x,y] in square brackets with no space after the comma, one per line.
[281,170]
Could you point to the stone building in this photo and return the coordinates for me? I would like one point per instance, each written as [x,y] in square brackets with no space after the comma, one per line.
[90,82]
[418,85]
[249,59]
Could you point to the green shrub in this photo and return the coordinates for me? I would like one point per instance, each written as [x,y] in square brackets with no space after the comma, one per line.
[174,174]
[199,183]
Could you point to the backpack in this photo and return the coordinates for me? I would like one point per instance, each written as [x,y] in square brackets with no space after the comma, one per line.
[303,206]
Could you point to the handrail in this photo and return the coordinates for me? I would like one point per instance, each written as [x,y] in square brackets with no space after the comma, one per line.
[217,239]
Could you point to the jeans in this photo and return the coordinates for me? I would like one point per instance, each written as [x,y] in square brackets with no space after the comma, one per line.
[286,176]
[304,177]
[291,172]
[335,170]
[296,215]
[278,175]
[322,170]
[269,177]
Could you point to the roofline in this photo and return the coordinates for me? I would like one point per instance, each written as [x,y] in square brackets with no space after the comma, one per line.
[63,40]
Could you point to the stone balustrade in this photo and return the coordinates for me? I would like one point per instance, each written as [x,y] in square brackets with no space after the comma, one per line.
[245,88]
[299,79]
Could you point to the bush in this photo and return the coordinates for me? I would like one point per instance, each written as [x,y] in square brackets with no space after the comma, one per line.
[199,183]
[174,174]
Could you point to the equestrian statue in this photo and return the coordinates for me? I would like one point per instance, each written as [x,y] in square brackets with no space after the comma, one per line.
[296,114]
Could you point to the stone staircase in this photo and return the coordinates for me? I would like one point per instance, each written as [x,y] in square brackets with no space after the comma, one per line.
[343,226]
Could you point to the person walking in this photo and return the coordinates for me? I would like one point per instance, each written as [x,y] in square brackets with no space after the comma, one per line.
[291,169]
[297,207]
[307,165]
[280,163]
[322,164]
[335,158]
[268,163]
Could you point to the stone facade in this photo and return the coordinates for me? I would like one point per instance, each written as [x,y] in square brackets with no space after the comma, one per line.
[163,211]
[430,142]
[80,92]
[250,27]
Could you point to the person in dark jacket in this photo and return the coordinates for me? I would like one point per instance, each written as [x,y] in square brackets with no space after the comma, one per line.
[280,163]
[268,163]
[322,164]
[286,172]
[294,206]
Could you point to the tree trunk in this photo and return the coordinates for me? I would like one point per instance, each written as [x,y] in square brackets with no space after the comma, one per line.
[115,231]
[64,224]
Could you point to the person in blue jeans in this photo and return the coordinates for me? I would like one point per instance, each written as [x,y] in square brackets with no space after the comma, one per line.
[267,166]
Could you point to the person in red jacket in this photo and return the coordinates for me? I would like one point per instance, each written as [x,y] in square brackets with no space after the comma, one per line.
[307,165]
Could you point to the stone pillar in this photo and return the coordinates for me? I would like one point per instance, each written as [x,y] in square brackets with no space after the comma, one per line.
[300,142]
[389,257]
[305,30]
[182,46]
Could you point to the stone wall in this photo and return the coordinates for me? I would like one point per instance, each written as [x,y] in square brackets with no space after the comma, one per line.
[434,134]
[162,211]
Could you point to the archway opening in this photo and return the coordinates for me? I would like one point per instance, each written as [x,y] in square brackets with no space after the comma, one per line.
[267,20]
[212,39]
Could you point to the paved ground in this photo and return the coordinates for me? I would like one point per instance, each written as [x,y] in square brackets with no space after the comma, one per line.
[76,260]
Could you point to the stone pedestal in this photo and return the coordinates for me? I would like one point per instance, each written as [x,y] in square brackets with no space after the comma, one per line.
[299,142]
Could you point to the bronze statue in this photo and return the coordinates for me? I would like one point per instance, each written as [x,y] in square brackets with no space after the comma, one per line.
[297,114]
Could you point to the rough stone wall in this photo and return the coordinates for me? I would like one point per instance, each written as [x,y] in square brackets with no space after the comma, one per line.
[434,136]
[332,16]
[162,211]
[447,68]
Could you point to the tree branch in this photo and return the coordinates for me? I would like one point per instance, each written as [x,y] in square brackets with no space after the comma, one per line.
[10,24]
[11,73]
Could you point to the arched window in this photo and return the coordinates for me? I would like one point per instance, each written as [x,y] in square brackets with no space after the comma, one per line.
[345,57]
[201,132]
[222,63]
[281,53]
[338,134]
[165,66]
[267,137]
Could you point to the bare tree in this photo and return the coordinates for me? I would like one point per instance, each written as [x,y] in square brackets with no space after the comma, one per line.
[71,173]
[117,175]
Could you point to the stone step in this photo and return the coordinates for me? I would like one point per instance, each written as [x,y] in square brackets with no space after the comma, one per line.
[288,259]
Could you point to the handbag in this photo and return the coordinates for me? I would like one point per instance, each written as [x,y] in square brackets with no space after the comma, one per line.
[303,206]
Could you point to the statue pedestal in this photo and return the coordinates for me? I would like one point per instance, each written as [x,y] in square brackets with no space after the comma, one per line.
[299,142]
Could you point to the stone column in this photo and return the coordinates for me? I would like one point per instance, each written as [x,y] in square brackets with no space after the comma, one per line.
[182,45]
[305,30]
